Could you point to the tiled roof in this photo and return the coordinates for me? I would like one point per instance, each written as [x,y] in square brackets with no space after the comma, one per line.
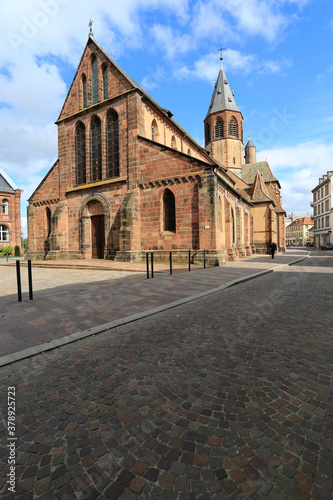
[250,170]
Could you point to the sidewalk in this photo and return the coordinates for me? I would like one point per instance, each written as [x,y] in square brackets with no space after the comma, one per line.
[90,297]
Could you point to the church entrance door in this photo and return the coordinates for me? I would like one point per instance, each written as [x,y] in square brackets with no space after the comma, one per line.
[97,236]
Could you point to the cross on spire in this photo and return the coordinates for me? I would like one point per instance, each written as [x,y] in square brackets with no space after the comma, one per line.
[220,50]
[90,26]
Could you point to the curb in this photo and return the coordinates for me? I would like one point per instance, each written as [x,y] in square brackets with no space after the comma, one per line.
[74,337]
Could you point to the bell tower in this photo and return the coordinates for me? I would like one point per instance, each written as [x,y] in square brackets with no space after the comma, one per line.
[224,126]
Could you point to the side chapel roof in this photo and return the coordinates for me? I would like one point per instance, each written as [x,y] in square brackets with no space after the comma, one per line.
[250,170]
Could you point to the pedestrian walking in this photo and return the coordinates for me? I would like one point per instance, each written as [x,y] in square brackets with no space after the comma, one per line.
[272,249]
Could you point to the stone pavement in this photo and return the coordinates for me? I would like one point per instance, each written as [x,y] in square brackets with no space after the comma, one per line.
[226,397]
[70,304]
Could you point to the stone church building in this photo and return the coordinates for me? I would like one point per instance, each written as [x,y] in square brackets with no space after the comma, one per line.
[129,179]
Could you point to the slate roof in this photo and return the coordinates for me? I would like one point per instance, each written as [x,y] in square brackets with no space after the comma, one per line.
[249,144]
[250,170]
[222,98]
[6,184]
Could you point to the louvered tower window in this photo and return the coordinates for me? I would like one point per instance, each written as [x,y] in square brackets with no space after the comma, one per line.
[169,204]
[219,128]
[96,149]
[84,91]
[94,79]
[105,82]
[113,144]
[233,129]
[80,153]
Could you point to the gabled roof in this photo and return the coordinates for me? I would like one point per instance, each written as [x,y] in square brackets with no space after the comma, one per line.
[259,193]
[6,184]
[250,170]
[222,98]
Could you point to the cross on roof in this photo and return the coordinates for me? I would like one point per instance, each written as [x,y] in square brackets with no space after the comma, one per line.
[90,26]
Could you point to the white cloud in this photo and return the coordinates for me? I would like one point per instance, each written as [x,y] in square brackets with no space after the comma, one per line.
[207,67]
[298,168]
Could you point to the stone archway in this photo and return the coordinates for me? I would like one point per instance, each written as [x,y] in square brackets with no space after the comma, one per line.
[94,220]
[96,213]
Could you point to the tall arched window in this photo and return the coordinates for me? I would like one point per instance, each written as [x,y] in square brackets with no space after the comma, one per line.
[96,149]
[233,229]
[105,81]
[154,130]
[94,79]
[5,207]
[173,142]
[4,233]
[219,128]
[80,153]
[84,91]
[233,128]
[189,152]
[113,144]
[48,221]
[169,205]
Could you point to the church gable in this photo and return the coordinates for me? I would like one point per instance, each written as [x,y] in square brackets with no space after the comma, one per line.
[48,191]
[97,79]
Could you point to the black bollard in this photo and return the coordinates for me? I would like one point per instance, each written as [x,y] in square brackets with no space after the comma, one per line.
[152,264]
[204,259]
[147,262]
[170,262]
[18,276]
[30,280]
[189,260]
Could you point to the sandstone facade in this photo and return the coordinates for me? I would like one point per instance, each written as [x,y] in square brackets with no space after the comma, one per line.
[129,179]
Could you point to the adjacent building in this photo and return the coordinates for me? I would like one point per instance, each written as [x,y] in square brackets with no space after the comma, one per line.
[129,179]
[10,213]
[300,232]
[323,210]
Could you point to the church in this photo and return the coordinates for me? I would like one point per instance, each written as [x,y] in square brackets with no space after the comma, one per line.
[129,179]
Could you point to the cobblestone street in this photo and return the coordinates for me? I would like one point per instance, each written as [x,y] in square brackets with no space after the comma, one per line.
[226,397]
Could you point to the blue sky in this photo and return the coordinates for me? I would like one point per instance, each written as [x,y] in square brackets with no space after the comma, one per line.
[278,58]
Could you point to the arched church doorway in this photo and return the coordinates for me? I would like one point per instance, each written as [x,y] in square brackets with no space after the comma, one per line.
[96,212]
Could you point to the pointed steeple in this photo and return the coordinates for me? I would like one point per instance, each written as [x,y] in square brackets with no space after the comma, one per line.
[222,98]
[224,125]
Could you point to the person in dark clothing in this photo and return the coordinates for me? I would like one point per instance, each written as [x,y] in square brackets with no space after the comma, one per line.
[272,249]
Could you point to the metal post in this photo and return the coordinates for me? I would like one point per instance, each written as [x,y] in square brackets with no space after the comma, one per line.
[204,259]
[18,276]
[170,262]
[152,264]
[147,262]
[189,260]
[30,280]
[7,256]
